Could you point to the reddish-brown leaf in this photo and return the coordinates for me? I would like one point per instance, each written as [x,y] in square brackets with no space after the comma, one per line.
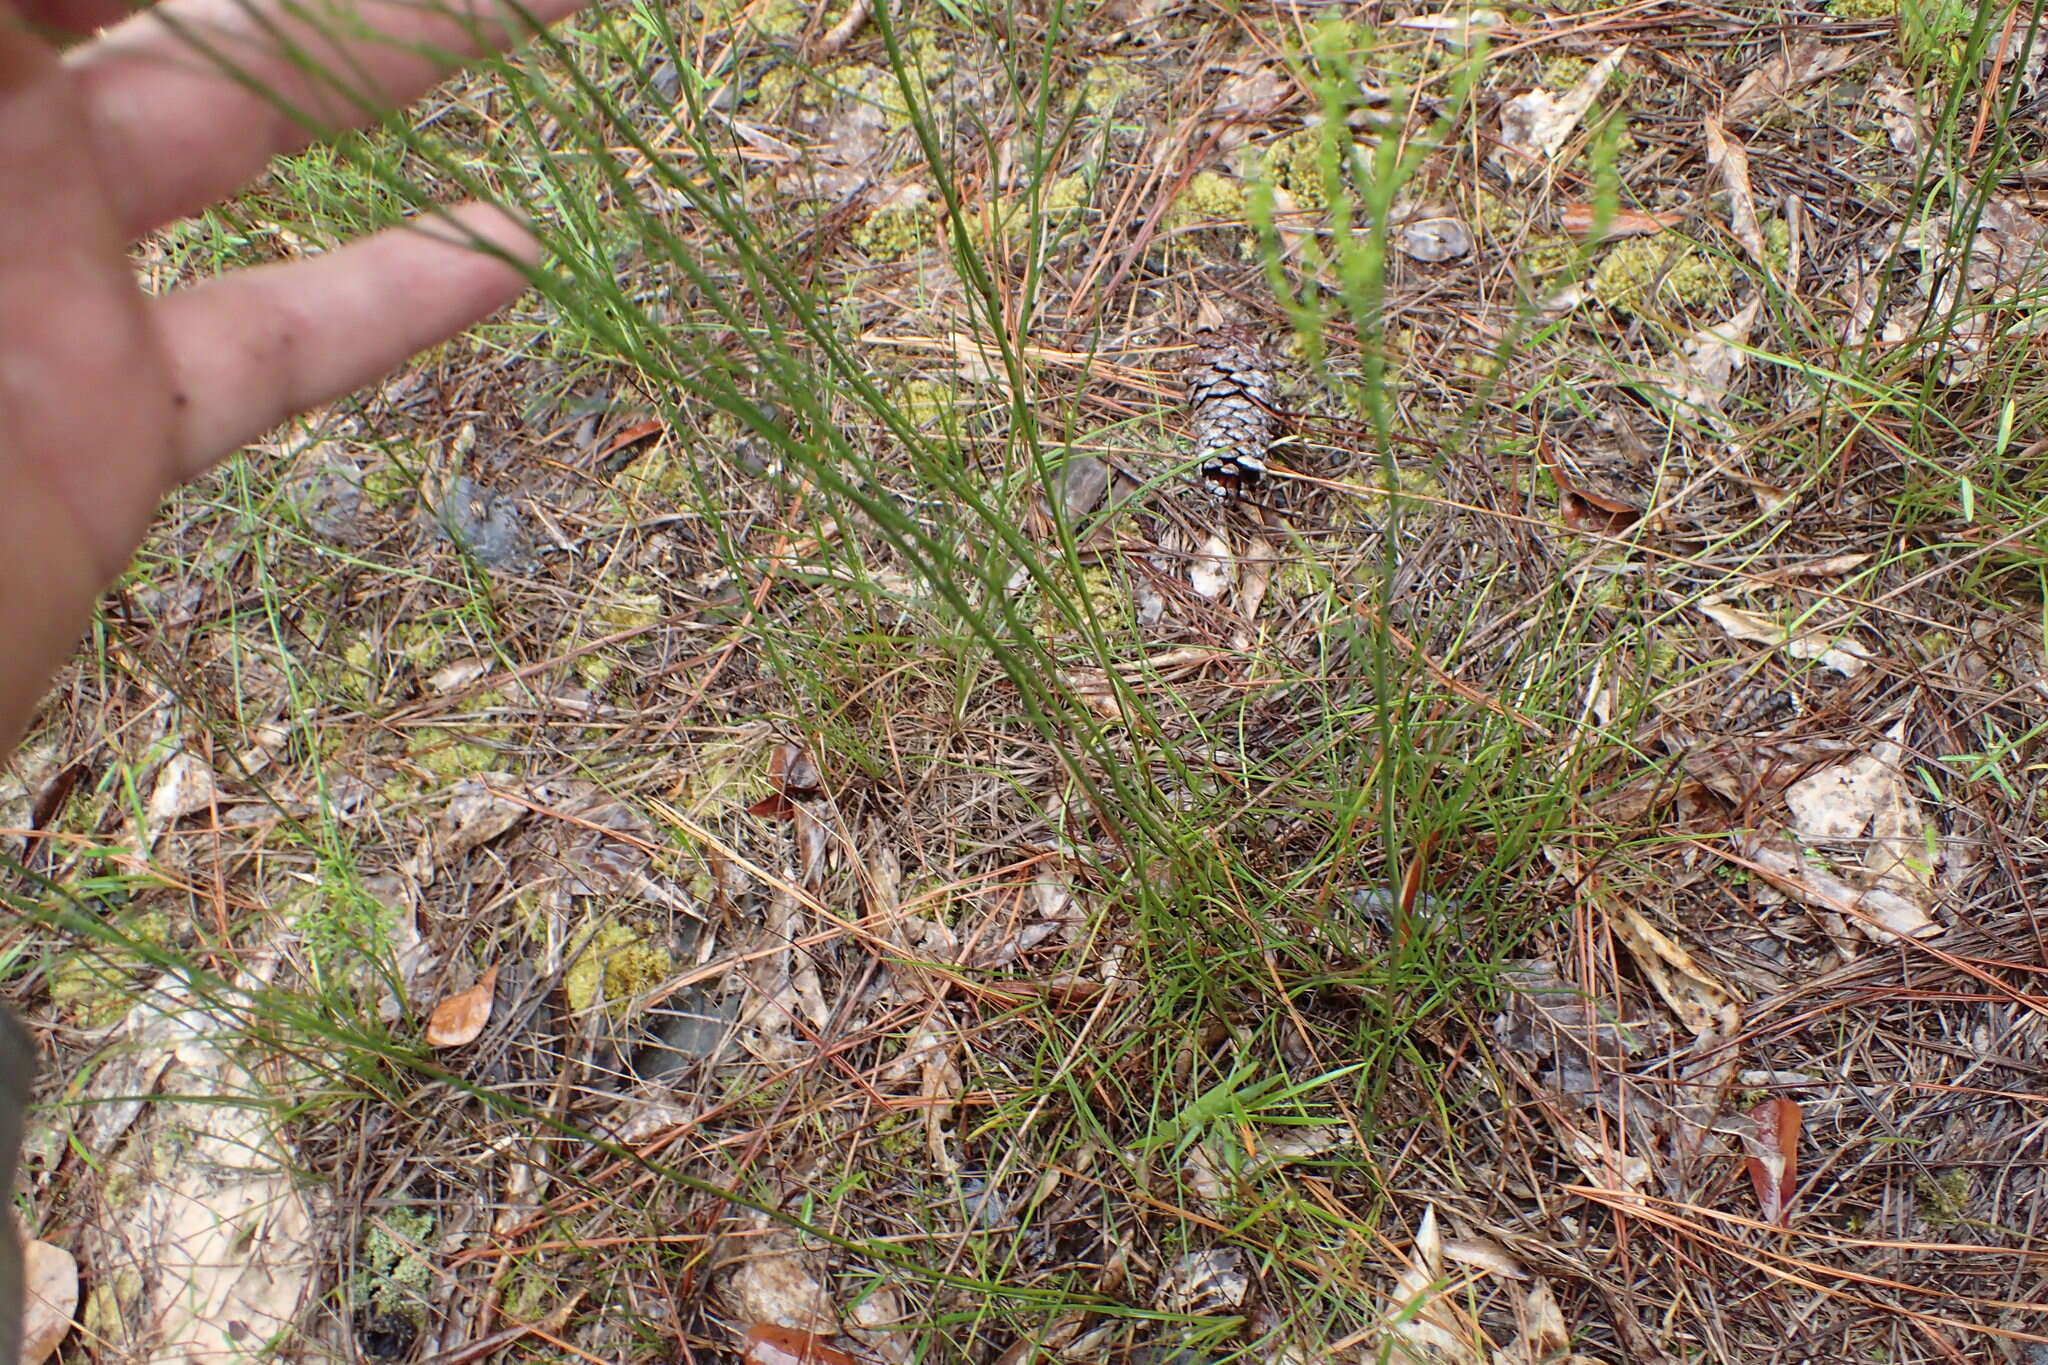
[768,1344]
[458,1020]
[1583,511]
[1775,1170]
[1581,220]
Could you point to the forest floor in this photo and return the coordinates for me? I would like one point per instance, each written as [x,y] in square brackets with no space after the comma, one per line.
[757,793]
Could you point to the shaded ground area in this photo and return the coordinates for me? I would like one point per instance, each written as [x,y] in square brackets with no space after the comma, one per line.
[1548,876]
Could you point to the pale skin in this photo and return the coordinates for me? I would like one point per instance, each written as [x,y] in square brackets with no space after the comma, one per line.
[109,398]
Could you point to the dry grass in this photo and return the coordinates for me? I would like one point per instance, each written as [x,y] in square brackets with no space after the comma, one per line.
[1385,880]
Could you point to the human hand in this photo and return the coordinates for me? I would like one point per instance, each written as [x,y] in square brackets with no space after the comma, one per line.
[109,397]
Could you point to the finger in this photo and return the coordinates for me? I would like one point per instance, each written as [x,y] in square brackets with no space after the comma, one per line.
[191,99]
[249,350]
[74,18]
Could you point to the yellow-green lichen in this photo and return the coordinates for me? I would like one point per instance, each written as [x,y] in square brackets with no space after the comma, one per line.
[356,676]
[398,1273]
[1643,273]
[925,401]
[1299,163]
[633,606]
[897,230]
[447,755]
[1107,85]
[1863,9]
[111,1306]
[96,986]
[423,644]
[1945,1199]
[1210,199]
[616,962]
[779,18]
[778,84]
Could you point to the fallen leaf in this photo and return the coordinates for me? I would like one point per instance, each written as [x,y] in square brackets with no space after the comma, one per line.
[1881,914]
[1432,240]
[1423,1317]
[1731,158]
[1867,797]
[1706,363]
[478,811]
[1483,1253]
[1534,126]
[1544,1336]
[1841,654]
[185,786]
[1799,65]
[792,776]
[1587,511]
[458,1020]
[1705,1006]
[1773,1157]
[1212,568]
[1897,112]
[767,1344]
[1582,220]
[231,1235]
[1206,1282]
[49,1277]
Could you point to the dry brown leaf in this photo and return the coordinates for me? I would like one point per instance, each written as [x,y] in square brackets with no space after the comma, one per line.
[1705,1006]
[1801,64]
[1881,914]
[1535,125]
[1731,158]
[1424,1320]
[1841,654]
[768,1344]
[1772,1150]
[49,1277]
[185,786]
[1582,220]
[458,1020]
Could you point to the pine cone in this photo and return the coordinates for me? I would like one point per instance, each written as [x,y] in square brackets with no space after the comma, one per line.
[1230,388]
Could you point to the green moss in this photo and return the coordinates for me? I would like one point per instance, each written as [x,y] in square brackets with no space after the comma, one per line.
[1863,9]
[1945,1200]
[1663,269]
[617,959]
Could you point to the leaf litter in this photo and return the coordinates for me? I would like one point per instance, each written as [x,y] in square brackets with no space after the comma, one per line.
[880,968]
